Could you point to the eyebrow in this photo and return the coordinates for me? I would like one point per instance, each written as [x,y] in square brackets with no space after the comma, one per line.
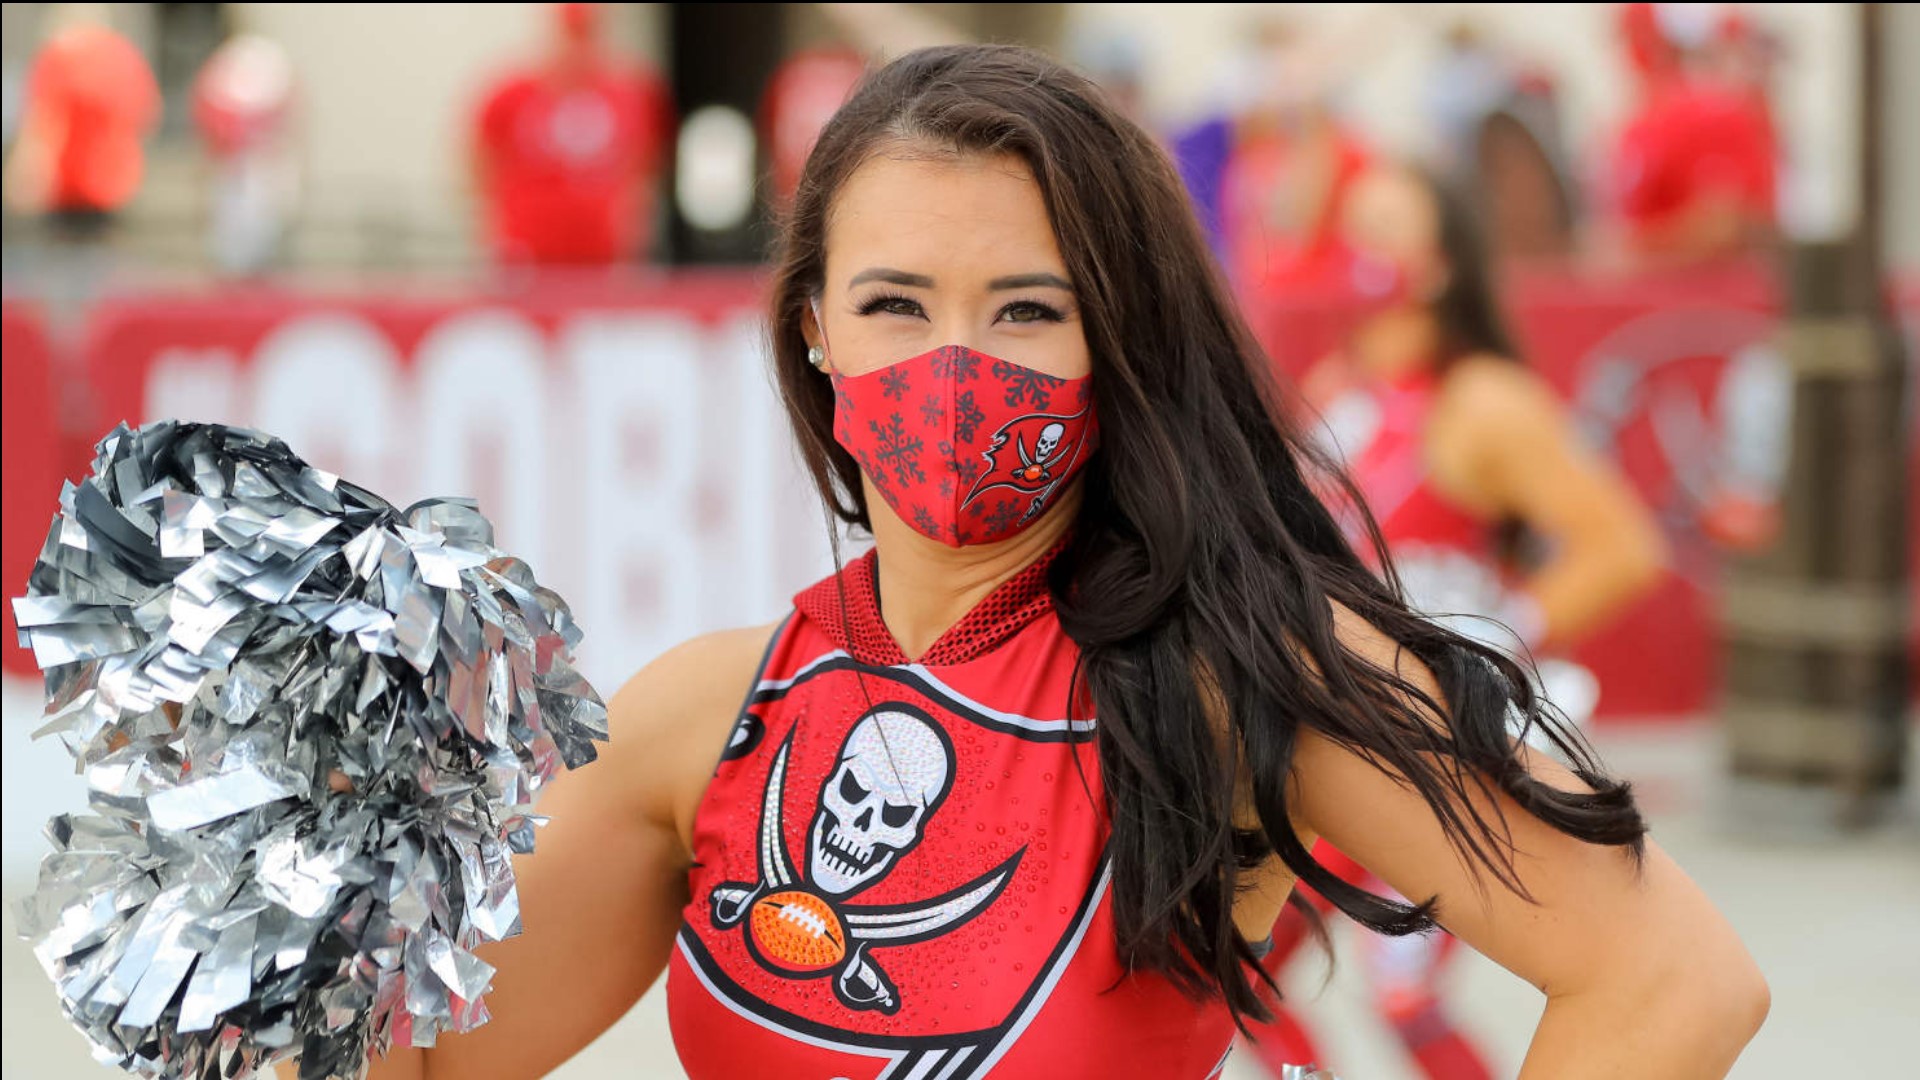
[891,277]
[922,281]
[1028,281]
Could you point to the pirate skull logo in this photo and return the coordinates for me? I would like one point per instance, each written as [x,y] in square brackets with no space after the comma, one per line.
[1033,467]
[894,769]
[1049,441]
[893,772]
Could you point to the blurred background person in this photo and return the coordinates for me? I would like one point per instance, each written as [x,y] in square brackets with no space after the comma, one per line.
[802,94]
[243,100]
[1470,79]
[1691,176]
[568,153]
[811,83]
[1292,159]
[1117,61]
[79,156]
[1494,119]
[1497,518]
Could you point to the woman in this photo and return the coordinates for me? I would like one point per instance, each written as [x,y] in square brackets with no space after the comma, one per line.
[919,854]
[1460,452]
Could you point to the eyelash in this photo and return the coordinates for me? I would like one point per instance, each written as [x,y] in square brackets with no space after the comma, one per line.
[1045,312]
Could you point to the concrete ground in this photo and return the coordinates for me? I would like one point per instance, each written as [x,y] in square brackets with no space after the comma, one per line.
[1831,917]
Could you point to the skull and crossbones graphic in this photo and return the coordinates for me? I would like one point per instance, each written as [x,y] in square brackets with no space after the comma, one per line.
[1033,469]
[895,768]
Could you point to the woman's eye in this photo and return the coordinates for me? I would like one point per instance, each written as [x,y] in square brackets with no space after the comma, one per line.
[1029,311]
[892,305]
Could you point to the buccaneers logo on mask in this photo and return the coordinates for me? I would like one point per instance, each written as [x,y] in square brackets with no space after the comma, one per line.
[965,448]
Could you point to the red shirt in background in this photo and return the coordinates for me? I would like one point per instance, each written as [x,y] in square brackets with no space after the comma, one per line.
[1314,173]
[569,167]
[803,94]
[1691,141]
[93,97]
[242,95]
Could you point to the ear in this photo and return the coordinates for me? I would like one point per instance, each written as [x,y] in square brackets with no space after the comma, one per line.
[810,325]
[815,336]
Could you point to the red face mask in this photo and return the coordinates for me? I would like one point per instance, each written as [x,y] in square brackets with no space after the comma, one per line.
[967,449]
[1378,284]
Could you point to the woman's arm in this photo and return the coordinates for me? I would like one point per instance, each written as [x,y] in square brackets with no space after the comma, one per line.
[1501,445]
[602,894]
[1643,977]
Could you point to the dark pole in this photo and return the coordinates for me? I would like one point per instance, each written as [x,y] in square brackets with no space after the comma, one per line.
[1815,626]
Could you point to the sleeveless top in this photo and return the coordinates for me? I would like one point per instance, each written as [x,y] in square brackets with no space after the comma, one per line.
[900,867]
[1443,553]
[1381,430]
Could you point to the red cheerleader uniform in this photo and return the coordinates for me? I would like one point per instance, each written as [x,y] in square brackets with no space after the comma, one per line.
[900,867]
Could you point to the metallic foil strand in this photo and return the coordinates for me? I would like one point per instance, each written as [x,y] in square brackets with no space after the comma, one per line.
[312,727]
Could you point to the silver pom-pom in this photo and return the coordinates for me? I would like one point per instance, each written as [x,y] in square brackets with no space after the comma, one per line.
[312,727]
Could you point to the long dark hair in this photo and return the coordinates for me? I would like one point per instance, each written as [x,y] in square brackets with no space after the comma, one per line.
[1468,306]
[1201,577]
[1469,319]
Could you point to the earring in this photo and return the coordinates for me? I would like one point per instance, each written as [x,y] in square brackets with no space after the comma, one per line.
[817,356]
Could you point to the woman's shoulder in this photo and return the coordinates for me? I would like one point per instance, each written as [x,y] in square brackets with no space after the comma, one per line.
[688,672]
[668,724]
[701,680]
[1486,385]
[1491,412]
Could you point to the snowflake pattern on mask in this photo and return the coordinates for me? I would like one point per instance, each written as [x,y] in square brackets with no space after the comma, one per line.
[894,384]
[967,467]
[967,417]
[923,520]
[1006,512]
[932,413]
[955,363]
[867,466]
[898,450]
[1027,385]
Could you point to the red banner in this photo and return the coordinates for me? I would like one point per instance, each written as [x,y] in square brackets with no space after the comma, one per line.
[29,456]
